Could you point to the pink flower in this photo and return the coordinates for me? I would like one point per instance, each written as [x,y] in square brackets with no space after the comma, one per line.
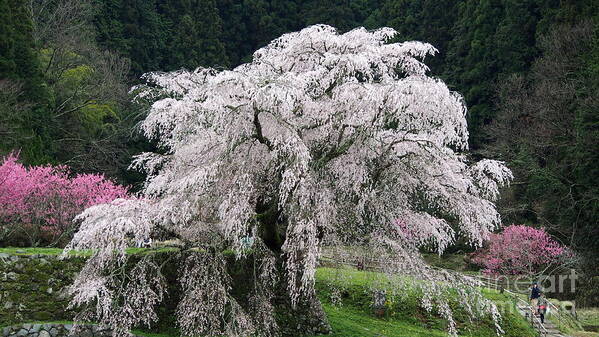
[49,196]
[518,250]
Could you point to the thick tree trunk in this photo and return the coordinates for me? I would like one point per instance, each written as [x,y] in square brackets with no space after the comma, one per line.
[308,317]
[272,226]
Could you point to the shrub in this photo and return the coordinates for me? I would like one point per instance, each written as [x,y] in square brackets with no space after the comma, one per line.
[38,203]
[519,250]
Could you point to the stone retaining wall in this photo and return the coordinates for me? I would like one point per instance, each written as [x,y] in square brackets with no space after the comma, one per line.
[33,287]
[55,330]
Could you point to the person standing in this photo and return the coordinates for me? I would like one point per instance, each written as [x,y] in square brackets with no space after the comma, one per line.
[535,293]
[542,307]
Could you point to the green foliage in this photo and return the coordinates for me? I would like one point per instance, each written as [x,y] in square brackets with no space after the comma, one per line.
[431,21]
[134,29]
[480,42]
[194,34]
[23,113]
[17,50]
[491,38]
[161,35]
[61,99]
[547,128]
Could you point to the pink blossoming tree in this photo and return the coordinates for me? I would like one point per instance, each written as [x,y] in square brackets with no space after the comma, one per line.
[519,250]
[41,202]
[324,139]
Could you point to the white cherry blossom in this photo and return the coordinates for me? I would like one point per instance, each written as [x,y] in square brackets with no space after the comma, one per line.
[323,139]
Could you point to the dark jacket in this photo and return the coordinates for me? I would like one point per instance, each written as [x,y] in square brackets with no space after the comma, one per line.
[535,293]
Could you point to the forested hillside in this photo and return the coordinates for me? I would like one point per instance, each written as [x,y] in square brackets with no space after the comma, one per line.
[63,99]
[528,70]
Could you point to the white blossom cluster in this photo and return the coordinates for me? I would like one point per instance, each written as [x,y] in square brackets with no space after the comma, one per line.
[342,134]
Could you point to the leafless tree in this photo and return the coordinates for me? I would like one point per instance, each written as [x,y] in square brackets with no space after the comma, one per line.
[89,85]
[11,111]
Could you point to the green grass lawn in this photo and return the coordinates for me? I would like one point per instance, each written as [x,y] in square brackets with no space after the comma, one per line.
[350,322]
[455,262]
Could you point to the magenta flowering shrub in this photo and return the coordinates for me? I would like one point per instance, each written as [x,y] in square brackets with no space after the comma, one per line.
[519,250]
[38,204]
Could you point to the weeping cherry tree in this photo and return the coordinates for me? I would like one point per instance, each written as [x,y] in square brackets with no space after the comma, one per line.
[323,140]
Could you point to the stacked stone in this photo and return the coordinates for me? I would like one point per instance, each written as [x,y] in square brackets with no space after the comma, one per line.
[55,330]
[33,288]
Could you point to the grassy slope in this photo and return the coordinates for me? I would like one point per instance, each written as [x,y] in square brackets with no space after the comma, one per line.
[455,262]
[589,316]
[350,322]
[405,318]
